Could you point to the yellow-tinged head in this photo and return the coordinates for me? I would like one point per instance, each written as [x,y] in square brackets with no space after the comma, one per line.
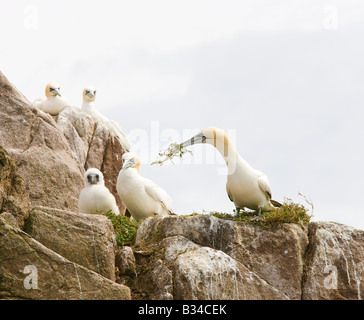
[211,135]
[52,89]
[131,160]
[89,94]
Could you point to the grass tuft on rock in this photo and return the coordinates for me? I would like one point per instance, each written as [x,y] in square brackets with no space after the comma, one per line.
[289,212]
[125,228]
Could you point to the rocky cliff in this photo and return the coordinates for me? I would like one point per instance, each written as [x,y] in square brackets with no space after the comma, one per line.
[49,251]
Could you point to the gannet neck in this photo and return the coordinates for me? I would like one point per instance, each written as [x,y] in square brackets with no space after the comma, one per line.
[52,98]
[88,106]
[133,171]
[226,148]
[228,151]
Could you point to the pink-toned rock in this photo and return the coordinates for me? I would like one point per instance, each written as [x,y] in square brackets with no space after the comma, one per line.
[334,263]
[14,198]
[52,153]
[29,270]
[93,146]
[39,150]
[274,255]
[86,239]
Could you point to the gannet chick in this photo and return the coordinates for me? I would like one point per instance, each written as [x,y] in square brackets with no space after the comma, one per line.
[88,105]
[246,187]
[54,102]
[95,197]
[142,197]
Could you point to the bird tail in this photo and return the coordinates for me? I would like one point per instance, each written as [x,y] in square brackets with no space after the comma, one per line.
[276,203]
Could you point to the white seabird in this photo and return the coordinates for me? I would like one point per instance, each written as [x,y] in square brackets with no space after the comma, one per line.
[246,187]
[95,197]
[142,197]
[54,102]
[88,106]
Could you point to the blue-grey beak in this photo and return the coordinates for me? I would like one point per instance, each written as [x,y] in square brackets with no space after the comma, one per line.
[55,91]
[129,163]
[199,138]
[90,93]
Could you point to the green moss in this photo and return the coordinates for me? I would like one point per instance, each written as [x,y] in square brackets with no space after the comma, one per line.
[125,228]
[224,216]
[289,212]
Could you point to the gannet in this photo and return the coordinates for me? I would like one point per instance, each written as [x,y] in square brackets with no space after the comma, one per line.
[142,197]
[54,102]
[88,106]
[245,186]
[95,197]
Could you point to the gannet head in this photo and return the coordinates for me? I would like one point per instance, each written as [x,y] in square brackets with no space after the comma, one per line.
[210,135]
[89,94]
[93,176]
[131,160]
[52,89]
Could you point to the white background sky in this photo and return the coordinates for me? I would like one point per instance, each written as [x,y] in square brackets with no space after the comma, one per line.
[286,78]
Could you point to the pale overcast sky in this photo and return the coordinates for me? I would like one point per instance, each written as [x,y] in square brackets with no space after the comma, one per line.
[284,78]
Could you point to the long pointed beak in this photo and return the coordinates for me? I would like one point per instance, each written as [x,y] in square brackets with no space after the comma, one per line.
[128,164]
[199,138]
[56,91]
[89,94]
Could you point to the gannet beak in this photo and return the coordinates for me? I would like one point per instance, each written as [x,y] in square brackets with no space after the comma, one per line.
[89,94]
[56,92]
[199,138]
[128,164]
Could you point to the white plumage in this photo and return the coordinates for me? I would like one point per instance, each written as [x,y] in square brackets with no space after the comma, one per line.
[95,197]
[54,102]
[142,197]
[88,106]
[246,187]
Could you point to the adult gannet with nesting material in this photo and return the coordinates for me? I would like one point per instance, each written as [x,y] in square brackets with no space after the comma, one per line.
[142,197]
[246,187]
[95,197]
[88,106]
[54,102]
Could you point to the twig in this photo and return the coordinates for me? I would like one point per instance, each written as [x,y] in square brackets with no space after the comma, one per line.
[173,150]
